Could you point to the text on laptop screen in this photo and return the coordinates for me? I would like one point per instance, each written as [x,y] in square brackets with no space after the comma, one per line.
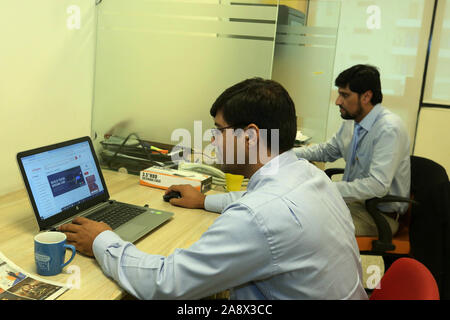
[62,178]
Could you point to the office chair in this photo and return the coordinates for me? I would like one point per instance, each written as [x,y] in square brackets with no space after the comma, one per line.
[424,230]
[385,242]
[406,279]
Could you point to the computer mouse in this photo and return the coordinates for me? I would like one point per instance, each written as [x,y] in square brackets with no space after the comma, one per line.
[170,195]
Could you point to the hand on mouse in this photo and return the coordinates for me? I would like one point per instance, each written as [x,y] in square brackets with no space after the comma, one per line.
[190,197]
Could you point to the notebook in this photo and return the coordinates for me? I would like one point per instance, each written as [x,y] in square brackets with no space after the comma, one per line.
[64,180]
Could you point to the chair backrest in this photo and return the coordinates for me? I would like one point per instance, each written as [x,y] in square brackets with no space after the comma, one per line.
[407,279]
[426,173]
[429,229]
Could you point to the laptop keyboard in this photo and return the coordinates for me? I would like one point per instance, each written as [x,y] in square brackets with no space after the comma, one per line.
[116,215]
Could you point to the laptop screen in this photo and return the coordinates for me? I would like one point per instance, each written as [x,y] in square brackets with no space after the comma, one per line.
[62,178]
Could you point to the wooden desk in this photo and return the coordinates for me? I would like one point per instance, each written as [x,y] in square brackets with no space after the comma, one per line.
[18,227]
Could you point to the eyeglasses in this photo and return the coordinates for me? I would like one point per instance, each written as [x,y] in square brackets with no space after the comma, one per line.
[218,131]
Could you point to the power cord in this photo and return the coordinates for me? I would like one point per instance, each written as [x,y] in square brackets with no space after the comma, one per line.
[144,147]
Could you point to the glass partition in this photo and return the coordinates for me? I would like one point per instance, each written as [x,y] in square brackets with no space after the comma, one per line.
[438,75]
[304,58]
[161,64]
[393,36]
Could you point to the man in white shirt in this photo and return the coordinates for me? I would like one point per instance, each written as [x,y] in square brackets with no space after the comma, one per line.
[375,145]
[289,236]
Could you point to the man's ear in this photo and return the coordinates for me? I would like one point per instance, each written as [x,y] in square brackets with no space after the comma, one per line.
[367,96]
[252,134]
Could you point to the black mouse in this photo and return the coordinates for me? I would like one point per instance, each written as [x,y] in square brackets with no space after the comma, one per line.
[170,195]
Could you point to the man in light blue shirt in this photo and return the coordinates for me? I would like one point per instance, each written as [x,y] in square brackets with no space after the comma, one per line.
[375,145]
[289,236]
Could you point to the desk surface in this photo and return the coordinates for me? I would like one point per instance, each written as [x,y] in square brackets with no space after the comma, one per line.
[18,227]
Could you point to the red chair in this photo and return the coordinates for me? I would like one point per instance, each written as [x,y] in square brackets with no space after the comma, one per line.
[406,279]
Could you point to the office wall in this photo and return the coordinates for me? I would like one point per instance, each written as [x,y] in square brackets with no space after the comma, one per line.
[433,136]
[46,63]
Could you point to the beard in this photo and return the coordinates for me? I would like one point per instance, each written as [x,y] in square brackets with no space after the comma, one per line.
[351,116]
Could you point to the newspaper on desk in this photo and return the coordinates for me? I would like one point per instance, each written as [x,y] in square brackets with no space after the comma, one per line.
[15,284]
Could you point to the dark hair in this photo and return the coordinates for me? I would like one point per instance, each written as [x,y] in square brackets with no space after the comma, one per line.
[262,102]
[360,78]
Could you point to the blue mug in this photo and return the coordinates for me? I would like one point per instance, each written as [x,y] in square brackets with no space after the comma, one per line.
[50,251]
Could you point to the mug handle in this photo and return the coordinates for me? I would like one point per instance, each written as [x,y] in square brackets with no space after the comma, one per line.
[71,247]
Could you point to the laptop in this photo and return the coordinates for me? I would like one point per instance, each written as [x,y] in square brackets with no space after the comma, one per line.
[64,180]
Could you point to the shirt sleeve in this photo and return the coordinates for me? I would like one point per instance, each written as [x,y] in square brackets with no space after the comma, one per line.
[233,251]
[325,152]
[385,161]
[218,202]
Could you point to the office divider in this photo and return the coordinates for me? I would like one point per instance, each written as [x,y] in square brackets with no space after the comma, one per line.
[304,60]
[161,64]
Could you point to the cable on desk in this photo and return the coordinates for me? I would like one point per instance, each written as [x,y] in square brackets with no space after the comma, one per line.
[147,154]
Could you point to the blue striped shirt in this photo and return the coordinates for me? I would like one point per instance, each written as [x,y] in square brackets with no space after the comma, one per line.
[289,236]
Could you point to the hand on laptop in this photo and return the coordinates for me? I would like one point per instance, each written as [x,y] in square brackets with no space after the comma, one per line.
[190,197]
[82,232]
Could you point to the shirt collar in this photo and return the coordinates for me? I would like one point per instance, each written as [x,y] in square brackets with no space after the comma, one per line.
[271,168]
[370,118]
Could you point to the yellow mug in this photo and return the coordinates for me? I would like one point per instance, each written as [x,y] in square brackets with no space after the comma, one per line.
[233,181]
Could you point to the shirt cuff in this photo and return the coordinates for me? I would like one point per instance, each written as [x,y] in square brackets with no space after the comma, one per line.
[214,203]
[102,242]
[299,152]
